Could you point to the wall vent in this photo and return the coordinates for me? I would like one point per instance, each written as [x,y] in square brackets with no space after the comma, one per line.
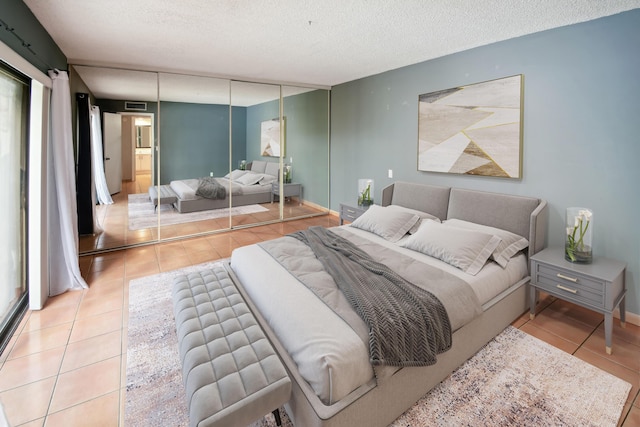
[135,106]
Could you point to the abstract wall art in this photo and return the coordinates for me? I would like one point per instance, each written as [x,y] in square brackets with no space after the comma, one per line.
[474,129]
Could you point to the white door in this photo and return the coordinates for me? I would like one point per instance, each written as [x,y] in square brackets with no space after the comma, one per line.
[113,151]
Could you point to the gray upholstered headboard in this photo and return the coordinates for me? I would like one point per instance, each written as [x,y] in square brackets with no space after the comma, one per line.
[426,198]
[525,216]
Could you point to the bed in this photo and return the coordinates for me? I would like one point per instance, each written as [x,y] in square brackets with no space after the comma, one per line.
[324,344]
[246,187]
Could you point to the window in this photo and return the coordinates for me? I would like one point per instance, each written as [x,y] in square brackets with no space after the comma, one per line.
[14,120]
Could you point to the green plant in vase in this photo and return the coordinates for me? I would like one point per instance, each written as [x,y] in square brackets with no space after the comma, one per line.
[364,198]
[287,174]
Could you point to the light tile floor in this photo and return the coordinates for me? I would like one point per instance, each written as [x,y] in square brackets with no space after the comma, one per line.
[65,366]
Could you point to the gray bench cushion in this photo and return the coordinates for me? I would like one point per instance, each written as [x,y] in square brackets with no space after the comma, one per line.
[167,195]
[231,373]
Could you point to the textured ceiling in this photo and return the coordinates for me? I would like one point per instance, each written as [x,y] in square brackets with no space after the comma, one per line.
[318,43]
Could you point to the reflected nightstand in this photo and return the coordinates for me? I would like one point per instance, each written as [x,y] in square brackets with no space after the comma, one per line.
[289,190]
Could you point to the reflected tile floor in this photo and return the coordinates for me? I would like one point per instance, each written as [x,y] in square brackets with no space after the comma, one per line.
[65,366]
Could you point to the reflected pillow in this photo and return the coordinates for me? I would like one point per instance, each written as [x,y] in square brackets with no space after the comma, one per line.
[421,214]
[249,178]
[267,179]
[510,245]
[391,224]
[235,174]
[465,249]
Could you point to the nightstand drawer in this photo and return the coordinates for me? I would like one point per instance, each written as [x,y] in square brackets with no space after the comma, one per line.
[350,214]
[569,285]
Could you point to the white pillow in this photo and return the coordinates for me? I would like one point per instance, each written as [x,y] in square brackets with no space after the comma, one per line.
[421,214]
[235,174]
[390,224]
[510,245]
[467,250]
[249,178]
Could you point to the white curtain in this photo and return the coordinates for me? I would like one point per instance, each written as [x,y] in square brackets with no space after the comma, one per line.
[97,162]
[64,271]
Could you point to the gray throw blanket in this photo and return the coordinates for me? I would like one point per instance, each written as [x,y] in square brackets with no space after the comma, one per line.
[408,326]
[210,188]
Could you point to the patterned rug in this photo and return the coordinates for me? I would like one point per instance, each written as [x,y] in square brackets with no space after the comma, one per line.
[515,379]
[142,213]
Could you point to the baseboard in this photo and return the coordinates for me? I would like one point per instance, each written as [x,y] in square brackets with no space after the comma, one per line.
[629,317]
[320,207]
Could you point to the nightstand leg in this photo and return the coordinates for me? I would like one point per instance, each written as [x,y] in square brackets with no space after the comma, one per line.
[608,327]
[533,300]
[623,319]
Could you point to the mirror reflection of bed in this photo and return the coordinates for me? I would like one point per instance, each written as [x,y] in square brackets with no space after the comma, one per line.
[192,154]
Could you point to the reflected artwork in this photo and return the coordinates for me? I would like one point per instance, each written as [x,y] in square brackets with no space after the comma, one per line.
[270,138]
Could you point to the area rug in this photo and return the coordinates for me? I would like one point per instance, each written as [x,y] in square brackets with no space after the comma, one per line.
[515,379]
[143,214]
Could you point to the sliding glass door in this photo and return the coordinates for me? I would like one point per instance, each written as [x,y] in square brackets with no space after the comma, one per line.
[14,101]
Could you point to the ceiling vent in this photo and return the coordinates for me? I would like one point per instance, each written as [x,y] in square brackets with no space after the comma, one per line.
[135,106]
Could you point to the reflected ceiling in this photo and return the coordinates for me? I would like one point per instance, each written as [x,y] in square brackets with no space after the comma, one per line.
[321,43]
[128,85]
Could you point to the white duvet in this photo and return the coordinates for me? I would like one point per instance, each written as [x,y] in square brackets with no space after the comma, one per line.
[330,356]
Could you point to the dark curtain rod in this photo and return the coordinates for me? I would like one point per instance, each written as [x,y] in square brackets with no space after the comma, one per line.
[26,45]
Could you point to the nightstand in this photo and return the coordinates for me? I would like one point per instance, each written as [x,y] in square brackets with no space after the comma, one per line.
[349,212]
[598,286]
[289,190]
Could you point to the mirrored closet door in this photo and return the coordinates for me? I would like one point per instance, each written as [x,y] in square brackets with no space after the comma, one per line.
[202,155]
[256,159]
[195,153]
[306,151]
[125,104]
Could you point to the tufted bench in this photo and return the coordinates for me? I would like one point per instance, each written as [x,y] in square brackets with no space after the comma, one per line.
[167,195]
[231,373]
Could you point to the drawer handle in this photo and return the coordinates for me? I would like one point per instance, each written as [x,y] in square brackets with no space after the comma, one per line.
[564,288]
[351,211]
[571,279]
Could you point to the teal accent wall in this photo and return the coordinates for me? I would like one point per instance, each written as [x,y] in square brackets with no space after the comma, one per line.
[18,16]
[238,136]
[194,140]
[581,128]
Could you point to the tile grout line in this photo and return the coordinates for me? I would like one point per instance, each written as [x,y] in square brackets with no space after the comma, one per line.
[64,354]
